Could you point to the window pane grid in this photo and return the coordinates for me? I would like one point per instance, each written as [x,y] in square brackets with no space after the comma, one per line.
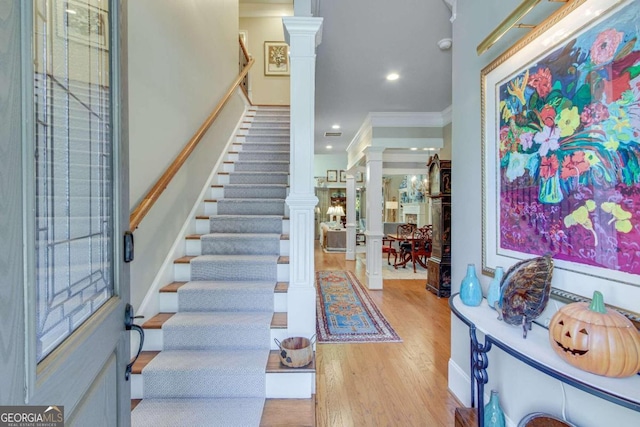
[74,200]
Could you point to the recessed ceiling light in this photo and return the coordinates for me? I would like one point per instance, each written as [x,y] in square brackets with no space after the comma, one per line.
[329,147]
[393,76]
[413,148]
[335,127]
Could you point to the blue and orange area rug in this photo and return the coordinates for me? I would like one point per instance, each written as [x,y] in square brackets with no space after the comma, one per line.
[346,312]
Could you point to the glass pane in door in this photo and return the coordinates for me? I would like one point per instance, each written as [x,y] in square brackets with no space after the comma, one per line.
[73,165]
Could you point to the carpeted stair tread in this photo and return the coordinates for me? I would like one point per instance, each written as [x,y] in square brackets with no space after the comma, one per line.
[235,267]
[245,224]
[198,412]
[259,178]
[193,373]
[240,244]
[218,330]
[226,296]
[261,166]
[251,206]
[264,155]
[255,191]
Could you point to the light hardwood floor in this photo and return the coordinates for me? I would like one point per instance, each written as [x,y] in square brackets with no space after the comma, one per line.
[388,384]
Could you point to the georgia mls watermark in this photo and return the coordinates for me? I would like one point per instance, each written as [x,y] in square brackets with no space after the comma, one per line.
[31,416]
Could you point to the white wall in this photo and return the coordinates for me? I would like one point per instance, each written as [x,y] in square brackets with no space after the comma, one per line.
[324,162]
[522,389]
[270,90]
[183,56]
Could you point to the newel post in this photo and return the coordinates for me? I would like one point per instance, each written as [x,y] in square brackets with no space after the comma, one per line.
[303,35]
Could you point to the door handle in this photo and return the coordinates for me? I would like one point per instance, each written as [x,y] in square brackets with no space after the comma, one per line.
[129,325]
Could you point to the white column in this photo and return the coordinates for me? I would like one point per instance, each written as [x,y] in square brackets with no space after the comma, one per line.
[374,217]
[302,34]
[351,217]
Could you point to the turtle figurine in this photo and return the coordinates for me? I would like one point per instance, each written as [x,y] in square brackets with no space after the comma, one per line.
[525,291]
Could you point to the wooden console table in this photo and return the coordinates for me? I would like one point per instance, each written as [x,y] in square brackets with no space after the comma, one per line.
[536,352]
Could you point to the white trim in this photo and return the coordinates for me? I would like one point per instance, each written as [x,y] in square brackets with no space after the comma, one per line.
[447,115]
[150,304]
[416,119]
[459,383]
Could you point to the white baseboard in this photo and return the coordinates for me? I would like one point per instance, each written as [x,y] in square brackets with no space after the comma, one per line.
[459,383]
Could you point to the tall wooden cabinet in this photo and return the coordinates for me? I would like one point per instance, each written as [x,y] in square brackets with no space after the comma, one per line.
[439,264]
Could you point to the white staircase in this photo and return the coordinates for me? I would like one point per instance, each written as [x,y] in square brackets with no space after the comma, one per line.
[217,323]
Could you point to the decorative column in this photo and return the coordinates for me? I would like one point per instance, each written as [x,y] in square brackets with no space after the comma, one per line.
[351,217]
[374,232]
[303,35]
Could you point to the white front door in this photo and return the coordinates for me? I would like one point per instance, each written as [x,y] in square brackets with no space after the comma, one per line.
[63,197]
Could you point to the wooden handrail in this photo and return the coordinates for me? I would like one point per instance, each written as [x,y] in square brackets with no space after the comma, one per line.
[152,196]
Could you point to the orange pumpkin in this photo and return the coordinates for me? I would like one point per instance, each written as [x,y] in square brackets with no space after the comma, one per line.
[596,339]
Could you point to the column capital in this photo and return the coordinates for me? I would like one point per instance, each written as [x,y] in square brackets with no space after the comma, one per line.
[374,153]
[302,25]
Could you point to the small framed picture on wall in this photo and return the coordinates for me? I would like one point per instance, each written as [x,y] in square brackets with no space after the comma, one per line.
[332,176]
[359,177]
[343,176]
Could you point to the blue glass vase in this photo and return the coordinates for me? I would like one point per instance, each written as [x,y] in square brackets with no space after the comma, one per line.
[493,415]
[494,294]
[470,289]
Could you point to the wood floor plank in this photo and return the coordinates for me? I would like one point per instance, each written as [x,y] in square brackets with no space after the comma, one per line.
[288,412]
[394,384]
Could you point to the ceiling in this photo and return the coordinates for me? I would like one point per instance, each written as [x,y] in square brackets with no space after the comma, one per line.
[362,42]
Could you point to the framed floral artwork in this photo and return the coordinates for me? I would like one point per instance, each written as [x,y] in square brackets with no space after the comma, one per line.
[276,59]
[343,176]
[332,175]
[561,147]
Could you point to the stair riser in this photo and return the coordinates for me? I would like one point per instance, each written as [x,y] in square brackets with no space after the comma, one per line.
[250,207]
[203,226]
[154,339]
[182,273]
[281,178]
[214,337]
[289,385]
[219,192]
[258,130]
[240,246]
[242,166]
[214,208]
[271,118]
[261,155]
[168,302]
[254,192]
[265,146]
[204,384]
[194,247]
[283,125]
[268,138]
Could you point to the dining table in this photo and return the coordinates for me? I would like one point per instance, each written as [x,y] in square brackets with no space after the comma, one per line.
[407,256]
